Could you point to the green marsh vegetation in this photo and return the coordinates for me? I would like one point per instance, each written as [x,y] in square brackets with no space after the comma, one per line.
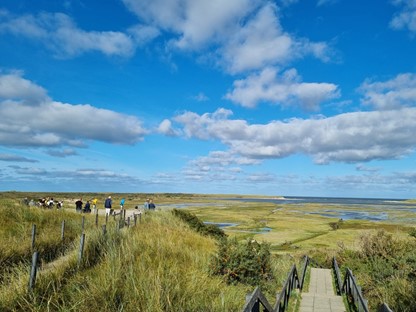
[381,254]
[165,265]
[162,264]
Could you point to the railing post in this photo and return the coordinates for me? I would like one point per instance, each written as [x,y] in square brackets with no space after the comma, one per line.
[33,270]
[63,231]
[256,307]
[33,237]
[337,276]
[82,224]
[384,308]
[81,249]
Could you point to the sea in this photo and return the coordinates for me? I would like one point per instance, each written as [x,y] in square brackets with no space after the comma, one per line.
[371,209]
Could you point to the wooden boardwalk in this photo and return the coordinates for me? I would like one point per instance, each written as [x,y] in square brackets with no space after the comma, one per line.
[321,296]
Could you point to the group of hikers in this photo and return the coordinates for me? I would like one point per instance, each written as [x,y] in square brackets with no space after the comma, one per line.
[44,202]
[108,205]
[87,207]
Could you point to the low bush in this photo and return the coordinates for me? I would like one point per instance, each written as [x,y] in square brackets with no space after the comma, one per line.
[385,267]
[197,225]
[246,262]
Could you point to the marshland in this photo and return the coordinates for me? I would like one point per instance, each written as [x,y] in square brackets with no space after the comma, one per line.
[164,263]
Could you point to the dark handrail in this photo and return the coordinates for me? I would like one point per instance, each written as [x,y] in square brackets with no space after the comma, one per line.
[304,268]
[384,308]
[352,289]
[312,261]
[254,301]
[292,281]
[337,274]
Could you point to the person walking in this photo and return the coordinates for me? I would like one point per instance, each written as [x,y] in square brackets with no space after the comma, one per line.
[94,206]
[152,205]
[87,207]
[78,205]
[122,201]
[107,205]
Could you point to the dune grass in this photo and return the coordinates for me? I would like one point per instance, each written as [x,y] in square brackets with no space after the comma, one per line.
[160,265]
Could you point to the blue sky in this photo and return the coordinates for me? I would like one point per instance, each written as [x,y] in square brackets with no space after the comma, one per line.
[289,97]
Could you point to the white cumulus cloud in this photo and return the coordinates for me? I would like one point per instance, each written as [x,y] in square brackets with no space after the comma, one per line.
[350,137]
[60,34]
[246,35]
[406,18]
[284,89]
[33,119]
[166,128]
[394,93]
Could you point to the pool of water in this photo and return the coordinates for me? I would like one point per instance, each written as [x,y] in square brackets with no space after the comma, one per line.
[371,209]
[222,225]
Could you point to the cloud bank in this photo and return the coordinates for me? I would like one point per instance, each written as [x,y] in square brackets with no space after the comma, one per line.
[59,33]
[286,89]
[31,119]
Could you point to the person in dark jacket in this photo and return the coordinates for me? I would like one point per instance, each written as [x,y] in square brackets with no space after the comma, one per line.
[78,205]
[87,207]
[107,206]
[152,205]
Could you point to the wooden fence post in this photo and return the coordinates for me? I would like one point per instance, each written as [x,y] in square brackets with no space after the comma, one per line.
[33,270]
[128,222]
[135,219]
[104,227]
[81,248]
[33,236]
[82,224]
[63,231]
[106,218]
[96,219]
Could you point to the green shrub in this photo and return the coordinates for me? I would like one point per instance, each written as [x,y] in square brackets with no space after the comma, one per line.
[247,262]
[197,225]
[385,267]
[412,232]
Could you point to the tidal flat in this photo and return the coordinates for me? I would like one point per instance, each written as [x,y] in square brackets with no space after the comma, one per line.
[297,227]
[290,225]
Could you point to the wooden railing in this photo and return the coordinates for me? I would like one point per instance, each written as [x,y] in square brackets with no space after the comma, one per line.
[353,291]
[256,300]
[121,223]
[384,308]
[337,274]
[292,282]
[304,268]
